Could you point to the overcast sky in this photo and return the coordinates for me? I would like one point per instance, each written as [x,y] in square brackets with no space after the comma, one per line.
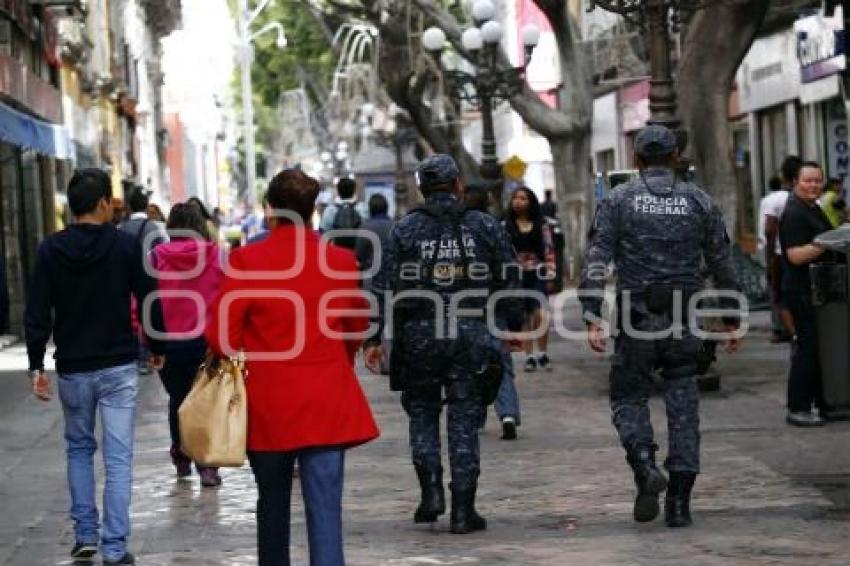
[198,63]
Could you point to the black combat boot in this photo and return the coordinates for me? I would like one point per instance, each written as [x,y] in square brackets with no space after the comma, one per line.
[433,496]
[650,482]
[464,517]
[677,504]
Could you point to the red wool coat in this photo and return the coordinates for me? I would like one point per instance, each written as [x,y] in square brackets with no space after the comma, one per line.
[313,398]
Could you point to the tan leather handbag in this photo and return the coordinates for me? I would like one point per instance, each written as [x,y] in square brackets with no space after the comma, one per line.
[214,416]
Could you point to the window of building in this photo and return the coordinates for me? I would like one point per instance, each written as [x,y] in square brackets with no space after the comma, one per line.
[773,131]
[605,161]
[5,37]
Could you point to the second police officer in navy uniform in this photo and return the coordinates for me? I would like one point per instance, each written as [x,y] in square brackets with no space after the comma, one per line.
[660,233]
[436,254]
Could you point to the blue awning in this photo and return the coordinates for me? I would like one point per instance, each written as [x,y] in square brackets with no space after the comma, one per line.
[24,131]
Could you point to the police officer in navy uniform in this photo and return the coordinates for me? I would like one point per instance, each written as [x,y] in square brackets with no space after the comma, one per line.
[658,232]
[435,252]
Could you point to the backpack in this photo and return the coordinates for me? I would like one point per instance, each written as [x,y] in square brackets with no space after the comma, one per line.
[346,218]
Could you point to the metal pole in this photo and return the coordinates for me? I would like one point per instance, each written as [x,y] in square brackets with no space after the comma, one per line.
[246,58]
[400,177]
[489,162]
[662,93]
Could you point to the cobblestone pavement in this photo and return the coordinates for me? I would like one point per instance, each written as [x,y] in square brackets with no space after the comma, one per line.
[560,495]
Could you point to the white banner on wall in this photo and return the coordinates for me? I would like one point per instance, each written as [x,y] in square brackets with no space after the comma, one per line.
[770,73]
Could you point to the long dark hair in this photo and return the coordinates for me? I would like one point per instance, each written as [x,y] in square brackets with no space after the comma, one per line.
[195,201]
[186,216]
[535,215]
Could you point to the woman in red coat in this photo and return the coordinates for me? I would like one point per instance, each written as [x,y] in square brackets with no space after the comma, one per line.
[284,309]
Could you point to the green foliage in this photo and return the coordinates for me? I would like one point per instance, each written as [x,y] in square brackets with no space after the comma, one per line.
[307,57]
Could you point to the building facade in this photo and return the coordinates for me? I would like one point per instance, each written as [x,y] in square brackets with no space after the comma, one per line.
[34,145]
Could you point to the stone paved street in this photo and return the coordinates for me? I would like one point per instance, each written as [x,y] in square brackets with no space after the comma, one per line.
[560,495]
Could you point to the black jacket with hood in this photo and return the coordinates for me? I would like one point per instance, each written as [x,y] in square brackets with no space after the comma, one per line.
[80,292]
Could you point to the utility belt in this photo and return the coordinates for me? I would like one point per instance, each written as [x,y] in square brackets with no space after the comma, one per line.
[425,309]
[660,298]
[430,314]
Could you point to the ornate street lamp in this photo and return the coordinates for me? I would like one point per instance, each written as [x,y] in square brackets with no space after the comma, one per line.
[658,18]
[489,84]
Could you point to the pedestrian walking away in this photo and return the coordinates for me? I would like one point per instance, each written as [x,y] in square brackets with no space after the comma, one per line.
[186,295]
[369,257]
[657,231]
[81,287]
[305,404]
[148,235]
[428,257]
[345,214]
[476,197]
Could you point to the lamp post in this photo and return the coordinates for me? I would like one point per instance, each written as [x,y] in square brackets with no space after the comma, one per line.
[489,84]
[245,18]
[657,16]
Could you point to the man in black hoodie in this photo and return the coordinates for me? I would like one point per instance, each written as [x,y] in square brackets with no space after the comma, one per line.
[80,293]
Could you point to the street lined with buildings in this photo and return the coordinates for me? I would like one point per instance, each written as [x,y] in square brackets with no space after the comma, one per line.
[559,495]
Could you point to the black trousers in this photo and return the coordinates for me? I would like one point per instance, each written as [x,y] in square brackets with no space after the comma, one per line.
[177,375]
[805,387]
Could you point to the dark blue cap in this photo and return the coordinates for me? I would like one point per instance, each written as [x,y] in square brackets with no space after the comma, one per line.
[655,141]
[439,169]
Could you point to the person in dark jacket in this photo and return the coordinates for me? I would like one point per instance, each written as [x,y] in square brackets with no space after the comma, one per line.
[436,253]
[80,293]
[139,225]
[380,224]
[148,235]
[663,236]
[802,221]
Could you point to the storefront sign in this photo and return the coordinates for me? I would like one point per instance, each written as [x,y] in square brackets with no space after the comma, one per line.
[769,74]
[821,46]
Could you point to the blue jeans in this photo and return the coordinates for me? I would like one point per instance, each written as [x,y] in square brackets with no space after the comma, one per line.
[113,391]
[321,473]
[507,400]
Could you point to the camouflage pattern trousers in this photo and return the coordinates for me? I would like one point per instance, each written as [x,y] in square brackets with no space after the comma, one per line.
[635,361]
[463,409]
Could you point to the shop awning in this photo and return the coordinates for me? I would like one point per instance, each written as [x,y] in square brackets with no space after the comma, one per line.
[24,131]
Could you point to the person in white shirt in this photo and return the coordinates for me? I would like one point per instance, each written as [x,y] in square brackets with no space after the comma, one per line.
[770,212]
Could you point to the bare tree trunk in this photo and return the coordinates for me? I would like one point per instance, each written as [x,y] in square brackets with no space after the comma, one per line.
[716,42]
[574,190]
